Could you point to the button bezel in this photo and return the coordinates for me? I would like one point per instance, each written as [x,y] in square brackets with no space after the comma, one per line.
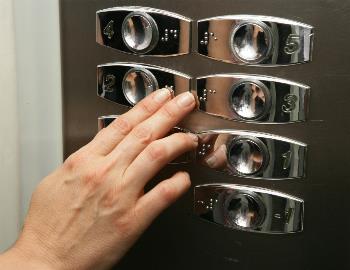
[172,31]
[262,149]
[284,214]
[148,74]
[287,101]
[153,25]
[266,30]
[292,41]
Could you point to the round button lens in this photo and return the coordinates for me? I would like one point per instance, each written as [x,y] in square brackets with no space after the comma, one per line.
[140,32]
[244,210]
[251,42]
[137,84]
[247,156]
[249,100]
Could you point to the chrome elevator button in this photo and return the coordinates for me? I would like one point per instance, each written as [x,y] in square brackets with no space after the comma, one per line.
[244,210]
[249,209]
[144,31]
[137,84]
[128,83]
[250,100]
[251,42]
[253,98]
[252,154]
[255,40]
[140,32]
[247,155]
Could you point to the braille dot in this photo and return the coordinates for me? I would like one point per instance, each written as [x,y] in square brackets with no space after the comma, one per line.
[202,42]
[171,31]
[175,36]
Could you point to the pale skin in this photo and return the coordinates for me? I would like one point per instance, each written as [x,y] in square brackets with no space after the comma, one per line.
[92,209]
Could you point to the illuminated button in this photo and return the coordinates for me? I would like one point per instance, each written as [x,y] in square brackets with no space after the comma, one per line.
[250,100]
[247,156]
[244,210]
[140,32]
[251,42]
[137,84]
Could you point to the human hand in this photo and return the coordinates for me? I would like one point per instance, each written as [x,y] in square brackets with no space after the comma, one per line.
[91,210]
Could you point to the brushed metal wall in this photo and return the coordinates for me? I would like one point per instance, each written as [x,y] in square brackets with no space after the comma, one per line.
[178,239]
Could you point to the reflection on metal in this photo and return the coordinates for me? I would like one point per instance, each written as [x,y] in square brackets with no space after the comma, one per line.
[128,83]
[255,40]
[253,98]
[252,154]
[142,30]
[249,208]
[105,121]
[245,154]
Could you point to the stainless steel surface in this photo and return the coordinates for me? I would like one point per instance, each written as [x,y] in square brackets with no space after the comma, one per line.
[253,98]
[249,208]
[255,40]
[128,83]
[143,30]
[179,240]
[252,155]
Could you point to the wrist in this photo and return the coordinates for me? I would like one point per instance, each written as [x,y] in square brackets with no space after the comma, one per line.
[26,257]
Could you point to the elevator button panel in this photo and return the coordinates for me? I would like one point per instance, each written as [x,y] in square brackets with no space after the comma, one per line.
[252,154]
[128,83]
[249,208]
[253,98]
[145,31]
[255,40]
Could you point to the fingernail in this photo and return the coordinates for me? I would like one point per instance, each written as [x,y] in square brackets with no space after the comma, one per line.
[194,137]
[211,161]
[185,99]
[162,95]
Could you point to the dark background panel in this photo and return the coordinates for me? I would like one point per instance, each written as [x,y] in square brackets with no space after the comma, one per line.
[179,240]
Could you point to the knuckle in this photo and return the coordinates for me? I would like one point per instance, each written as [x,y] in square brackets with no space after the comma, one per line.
[156,152]
[121,126]
[143,134]
[74,161]
[184,140]
[167,193]
[169,111]
[94,177]
[147,106]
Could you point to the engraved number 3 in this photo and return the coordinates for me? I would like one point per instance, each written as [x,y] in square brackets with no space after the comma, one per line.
[292,44]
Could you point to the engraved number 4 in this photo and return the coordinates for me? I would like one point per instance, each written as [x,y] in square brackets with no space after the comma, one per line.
[109,30]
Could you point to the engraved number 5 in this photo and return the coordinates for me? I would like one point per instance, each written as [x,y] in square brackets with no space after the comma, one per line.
[292,44]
